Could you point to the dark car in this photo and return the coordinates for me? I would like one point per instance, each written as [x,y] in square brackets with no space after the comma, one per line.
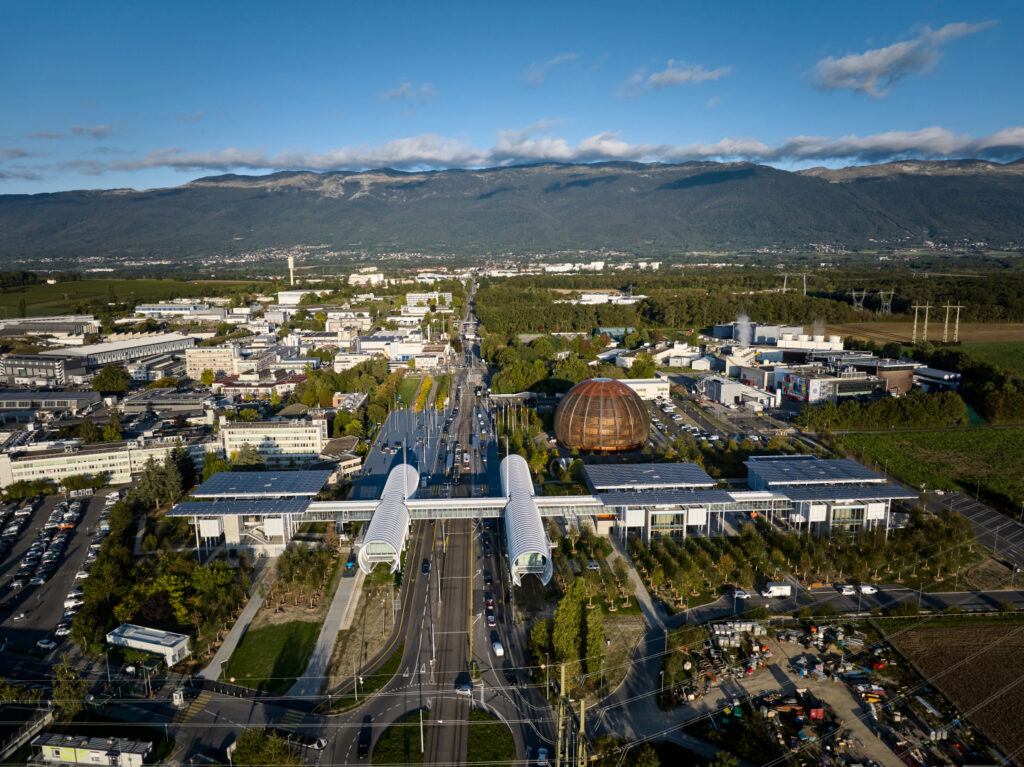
[365,735]
[511,678]
[488,580]
[426,567]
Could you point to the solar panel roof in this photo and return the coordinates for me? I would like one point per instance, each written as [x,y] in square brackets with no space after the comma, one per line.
[675,497]
[653,475]
[265,508]
[847,493]
[262,484]
[811,472]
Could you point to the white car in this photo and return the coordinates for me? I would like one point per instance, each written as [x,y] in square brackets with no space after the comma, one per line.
[498,649]
[46,644]
[847,590]
[866,589]
[740,594]
[81,575]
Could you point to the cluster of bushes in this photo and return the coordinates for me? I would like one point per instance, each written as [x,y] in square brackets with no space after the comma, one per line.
[917,409]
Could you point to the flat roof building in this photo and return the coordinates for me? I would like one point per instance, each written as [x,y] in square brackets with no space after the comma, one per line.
[64,748]
[126,349]
[775,472]
[641,477]
[174,648]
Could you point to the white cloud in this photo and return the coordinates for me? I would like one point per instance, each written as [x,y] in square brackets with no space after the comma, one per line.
[538,71]
[875,71]
[92,131]
[674,73]
[406,91]
[536,143]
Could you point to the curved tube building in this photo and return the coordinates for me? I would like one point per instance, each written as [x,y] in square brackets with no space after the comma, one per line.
[528,549]
[388,528]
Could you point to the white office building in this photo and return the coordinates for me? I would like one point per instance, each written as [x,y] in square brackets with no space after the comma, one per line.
[281,443]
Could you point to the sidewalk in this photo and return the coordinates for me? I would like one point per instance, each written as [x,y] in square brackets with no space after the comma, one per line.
[212,671]
[339,617]
[643,598]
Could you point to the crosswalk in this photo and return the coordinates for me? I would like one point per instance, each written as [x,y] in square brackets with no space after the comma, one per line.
[194,707]
[291,716]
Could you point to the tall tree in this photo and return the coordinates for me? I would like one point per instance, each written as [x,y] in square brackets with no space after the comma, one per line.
[595,642]
[207,377]
[258,748]
[566,635]
[112,379]
[69,689]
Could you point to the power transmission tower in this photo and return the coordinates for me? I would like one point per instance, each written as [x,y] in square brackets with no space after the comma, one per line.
[858,298]
[886,299]
[913,335]
[956,326]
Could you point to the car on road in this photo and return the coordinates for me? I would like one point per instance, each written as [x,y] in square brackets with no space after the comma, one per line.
[426,567]
[847,590]
[499,651]
[62,630]
[365,735]
[489,599]
[542,757]
[81,575]
[740,594]
[464,688]
[490,618]
[488,580]
[46,644]
[868,589]
[511,678]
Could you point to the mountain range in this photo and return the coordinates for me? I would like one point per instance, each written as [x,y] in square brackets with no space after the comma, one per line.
[644,209]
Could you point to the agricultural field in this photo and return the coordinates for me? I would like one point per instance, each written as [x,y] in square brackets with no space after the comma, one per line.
[970,333]
[41,300]
[951,460]
[977,667]
[1004,354]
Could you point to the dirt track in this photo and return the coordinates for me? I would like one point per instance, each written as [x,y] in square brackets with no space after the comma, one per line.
[970,333]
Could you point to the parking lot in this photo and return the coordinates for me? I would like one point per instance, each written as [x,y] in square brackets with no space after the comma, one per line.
[32,612]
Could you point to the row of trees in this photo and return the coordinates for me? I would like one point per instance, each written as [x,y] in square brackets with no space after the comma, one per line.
[575,637]
[89,433]
[916,409]
[302,572]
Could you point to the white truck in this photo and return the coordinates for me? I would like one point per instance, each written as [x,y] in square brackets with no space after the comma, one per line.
[777,589]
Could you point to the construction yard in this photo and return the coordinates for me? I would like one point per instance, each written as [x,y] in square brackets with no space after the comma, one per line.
[978,668]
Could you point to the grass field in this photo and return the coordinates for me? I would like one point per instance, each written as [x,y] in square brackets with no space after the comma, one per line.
[407,390]
[400,743]
[970,333]
[44,299]
[490,740]
[952,460]
[1005,354]
[272,657]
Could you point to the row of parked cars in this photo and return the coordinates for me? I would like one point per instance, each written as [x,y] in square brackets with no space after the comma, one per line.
[12,521]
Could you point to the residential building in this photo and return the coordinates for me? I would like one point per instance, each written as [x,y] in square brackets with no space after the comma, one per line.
[279,442]
[63,748]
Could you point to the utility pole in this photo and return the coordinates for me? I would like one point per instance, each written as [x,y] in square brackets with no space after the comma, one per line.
[581,750]
[561,721]
[785,279]
[913,335]
[804,275]
[956,325]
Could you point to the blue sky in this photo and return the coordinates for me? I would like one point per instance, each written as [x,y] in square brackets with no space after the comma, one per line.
[142,95]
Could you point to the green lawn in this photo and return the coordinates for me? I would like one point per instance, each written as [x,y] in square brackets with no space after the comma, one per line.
[373,682]
[1005,354]
[60,298]
[490,740]
[400,743]
[953,460]
[273,657]
[407,390]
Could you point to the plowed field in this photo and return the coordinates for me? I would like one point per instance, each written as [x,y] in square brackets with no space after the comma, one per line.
[884,332]
[979,669]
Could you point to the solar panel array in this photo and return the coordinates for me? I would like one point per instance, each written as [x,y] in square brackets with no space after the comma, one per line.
[647,474]
[266,508]
[265,484]
[808,472]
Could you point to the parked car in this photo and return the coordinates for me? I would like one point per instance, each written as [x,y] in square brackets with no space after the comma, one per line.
[868,589]
[542,757]
[740,594]
[46,644]
[499,651]
[847,590]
